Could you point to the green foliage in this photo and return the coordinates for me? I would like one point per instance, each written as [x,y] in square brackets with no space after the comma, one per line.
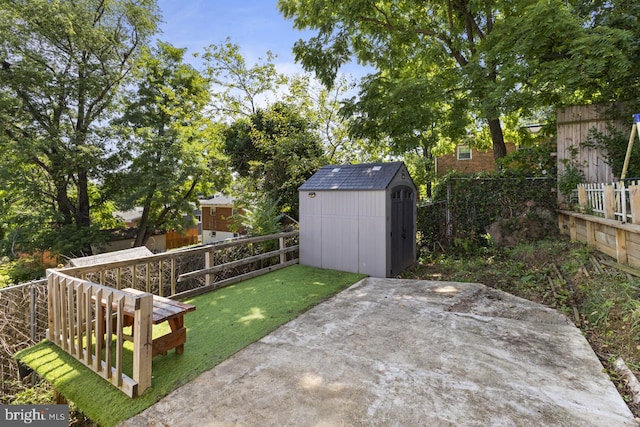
[488,60]
[572,175]
[477,201]
[39,394]
[26,269]
[533,161]
[569,179]
[613,143]
[261,217]
[431,228]
[171,153]
[557,55]
[422,52]
[276,152]
[322,107]
[621,15]
[63,64]
[239,85]
[424,113]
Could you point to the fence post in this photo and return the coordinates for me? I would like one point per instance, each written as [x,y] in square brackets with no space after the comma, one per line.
[51,287]
[582,196]
[32,312]
[621,246]
[142,343]
[634,196]
[609,202]
[208,263]
[448,227]
[283,255]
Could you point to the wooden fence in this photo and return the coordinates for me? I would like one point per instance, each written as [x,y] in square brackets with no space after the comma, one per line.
[84,317]
[611,201]
[176,274]
[573,126]
[609,220]
[184,273]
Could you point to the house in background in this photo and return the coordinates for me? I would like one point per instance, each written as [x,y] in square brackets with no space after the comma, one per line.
[160,241]
[468,160]
[216,217]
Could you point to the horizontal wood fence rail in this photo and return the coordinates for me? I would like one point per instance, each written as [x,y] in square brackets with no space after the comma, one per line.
[84,317]
[24,318]
[167,274]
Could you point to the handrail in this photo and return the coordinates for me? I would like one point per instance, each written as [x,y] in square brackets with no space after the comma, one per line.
[165,274]
[85,316]
[174,254]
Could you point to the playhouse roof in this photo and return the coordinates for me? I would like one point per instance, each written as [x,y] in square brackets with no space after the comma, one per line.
[368,176]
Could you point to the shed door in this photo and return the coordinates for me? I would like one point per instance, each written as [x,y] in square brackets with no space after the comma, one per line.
[402,228]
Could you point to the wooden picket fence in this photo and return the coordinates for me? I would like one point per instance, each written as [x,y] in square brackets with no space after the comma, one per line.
[608,220]
[85,317]
[86,306]
[612,201]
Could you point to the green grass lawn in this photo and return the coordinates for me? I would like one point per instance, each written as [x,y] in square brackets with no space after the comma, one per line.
[225,321]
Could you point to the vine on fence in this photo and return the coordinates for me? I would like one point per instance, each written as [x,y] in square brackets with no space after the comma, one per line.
[479,207]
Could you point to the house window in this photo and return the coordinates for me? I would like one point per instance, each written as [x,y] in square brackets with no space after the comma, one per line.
[213,211]
[464,152]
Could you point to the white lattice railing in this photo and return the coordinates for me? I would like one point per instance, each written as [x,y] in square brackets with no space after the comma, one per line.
[619,200]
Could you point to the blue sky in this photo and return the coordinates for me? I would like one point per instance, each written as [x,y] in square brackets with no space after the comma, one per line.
[254,25]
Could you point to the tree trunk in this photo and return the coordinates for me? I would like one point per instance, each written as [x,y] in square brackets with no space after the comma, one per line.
[499,148]
[64,205]
[143,230]
[82,214]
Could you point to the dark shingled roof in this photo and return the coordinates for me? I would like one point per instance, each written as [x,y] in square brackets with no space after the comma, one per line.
[370,176]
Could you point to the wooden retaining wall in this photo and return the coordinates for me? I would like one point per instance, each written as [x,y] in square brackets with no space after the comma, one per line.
[617,239]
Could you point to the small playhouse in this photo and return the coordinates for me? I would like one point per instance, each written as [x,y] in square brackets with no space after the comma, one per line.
[359,218]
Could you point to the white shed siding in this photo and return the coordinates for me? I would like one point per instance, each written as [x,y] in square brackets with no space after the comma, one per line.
[340,230]
[311,233]
[346,218]
[372,233]
[339,235]
[352,225]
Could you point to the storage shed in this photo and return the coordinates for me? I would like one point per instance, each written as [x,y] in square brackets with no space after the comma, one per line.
[359,218]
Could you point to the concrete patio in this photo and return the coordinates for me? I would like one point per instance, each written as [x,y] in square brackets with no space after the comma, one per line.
[390,352]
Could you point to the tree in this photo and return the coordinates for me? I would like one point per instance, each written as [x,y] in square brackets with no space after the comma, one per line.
[410,116]
[238,88]
[275,151]
[549,54]
[62,65]
[321,106]
[466,46]
[171,152]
